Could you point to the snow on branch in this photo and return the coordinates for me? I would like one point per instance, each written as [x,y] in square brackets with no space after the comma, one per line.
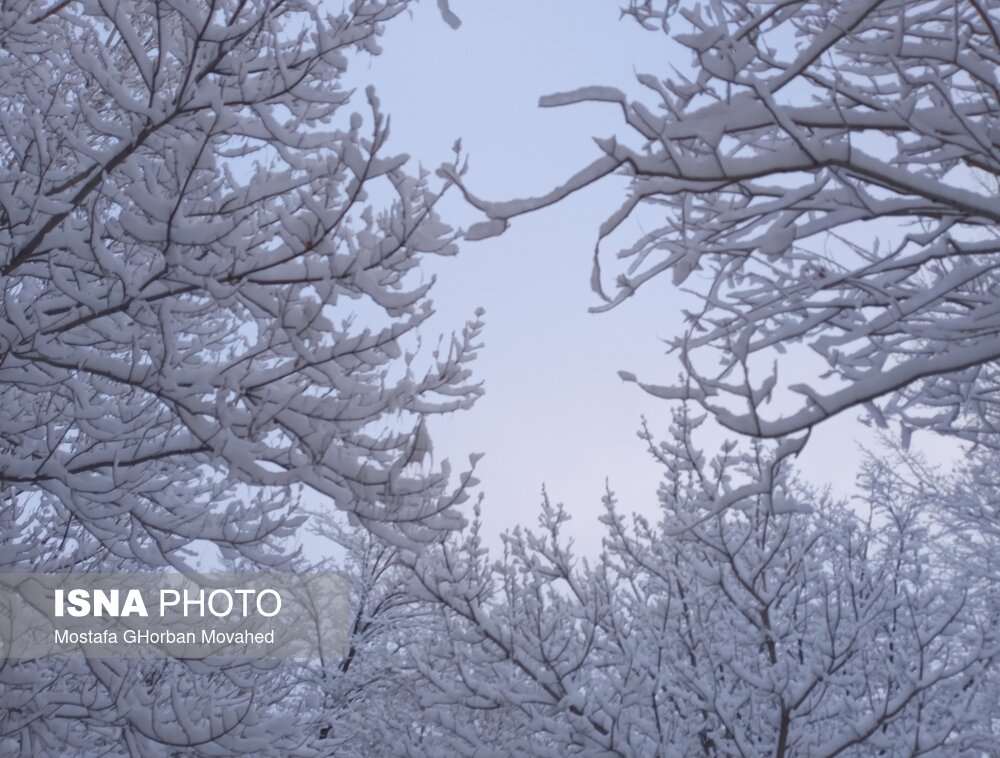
[832,171]
[212,304]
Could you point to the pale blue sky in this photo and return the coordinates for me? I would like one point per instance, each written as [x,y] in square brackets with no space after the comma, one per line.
[555,410]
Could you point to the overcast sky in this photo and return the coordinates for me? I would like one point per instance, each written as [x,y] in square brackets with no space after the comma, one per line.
[555,411]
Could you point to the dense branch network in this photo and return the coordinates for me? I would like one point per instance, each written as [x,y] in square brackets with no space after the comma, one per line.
[782,625]
[212,303]
[198,293]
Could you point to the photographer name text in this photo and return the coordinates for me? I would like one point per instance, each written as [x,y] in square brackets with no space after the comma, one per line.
[167,637]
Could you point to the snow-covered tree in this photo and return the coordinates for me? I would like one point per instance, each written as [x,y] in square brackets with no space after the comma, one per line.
[781,624]
[368,698]
[198,293]
[211,304]
[823,180]
[825,175]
